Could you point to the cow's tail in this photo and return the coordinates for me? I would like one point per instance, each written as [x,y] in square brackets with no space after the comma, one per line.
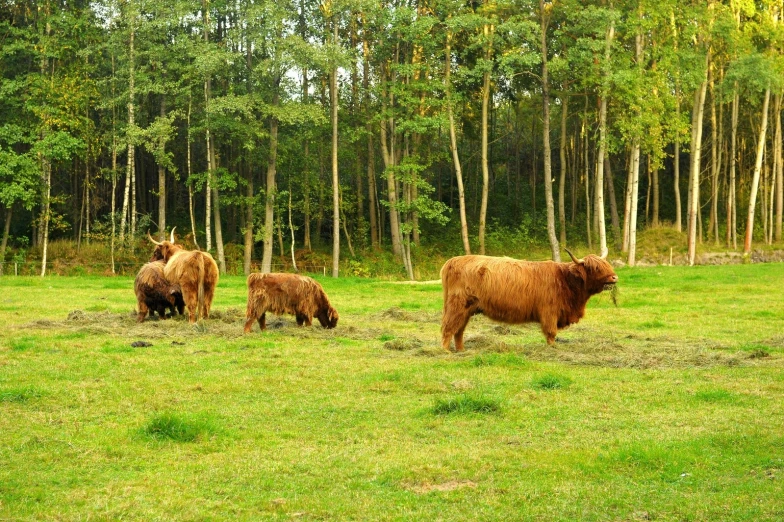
[200,291]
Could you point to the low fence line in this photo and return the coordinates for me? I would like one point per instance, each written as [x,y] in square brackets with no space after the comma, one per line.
[123,268]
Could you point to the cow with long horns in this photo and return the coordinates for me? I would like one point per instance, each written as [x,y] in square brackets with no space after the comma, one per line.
[512,291]
[194,271]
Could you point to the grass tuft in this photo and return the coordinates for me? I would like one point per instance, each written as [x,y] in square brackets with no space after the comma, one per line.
[19,394]
[550,382]
[466,404]
[177,428]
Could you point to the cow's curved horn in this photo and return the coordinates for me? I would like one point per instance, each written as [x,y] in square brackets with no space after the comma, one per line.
[151,239]
[172,235]
[578,261]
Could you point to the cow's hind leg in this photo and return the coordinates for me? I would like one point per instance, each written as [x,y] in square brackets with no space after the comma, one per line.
[191,298]
[142,311]
[457,312]
[263,321]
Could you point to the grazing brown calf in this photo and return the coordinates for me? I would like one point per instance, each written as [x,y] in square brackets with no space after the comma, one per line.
[154,293]
[292,294]
[511,291]
[194,271]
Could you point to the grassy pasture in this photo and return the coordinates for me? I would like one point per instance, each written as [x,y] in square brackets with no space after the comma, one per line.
[666,407]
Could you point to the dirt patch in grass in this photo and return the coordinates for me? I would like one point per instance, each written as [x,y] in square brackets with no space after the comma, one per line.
[452,485]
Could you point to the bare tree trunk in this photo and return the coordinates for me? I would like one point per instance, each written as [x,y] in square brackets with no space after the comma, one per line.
[390,161]
[6,233]
[375,238]
[487,30]
[555,248]
[779,171]
[453,146]
[614,220]
[131,122]
[333,94]
[586,166]
[698,111]
[210,150]
[269,207]
[562,178]
[634,170]
[732,216]
[293,239]
[756,178]
[47,167]
[248,236]
[218,229]
[190,173]
[713,223]
[599,184]
[162,184]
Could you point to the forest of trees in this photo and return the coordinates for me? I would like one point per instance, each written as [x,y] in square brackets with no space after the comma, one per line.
[346,125]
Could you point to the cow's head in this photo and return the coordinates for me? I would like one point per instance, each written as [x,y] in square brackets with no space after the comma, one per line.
[164,249]
[597,274]
[328,317]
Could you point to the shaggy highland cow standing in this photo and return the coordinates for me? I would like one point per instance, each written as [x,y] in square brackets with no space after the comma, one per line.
[195,272]
[154,293]
[292,294]
[511,291]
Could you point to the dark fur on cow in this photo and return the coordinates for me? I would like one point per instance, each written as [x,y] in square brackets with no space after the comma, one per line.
[292,294]
[195,272]
[154,293]
[511,291]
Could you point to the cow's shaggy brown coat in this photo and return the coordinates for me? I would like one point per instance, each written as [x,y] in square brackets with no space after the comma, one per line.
[195,272]
[292,294]
[512,291]
[154,293]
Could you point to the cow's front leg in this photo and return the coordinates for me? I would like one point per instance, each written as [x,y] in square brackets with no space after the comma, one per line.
[550,330]
[301,319]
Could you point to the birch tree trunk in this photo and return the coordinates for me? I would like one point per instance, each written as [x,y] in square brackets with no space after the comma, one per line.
[599,182]
[756,178]
[485,160]
[713,223]
[130,167]
[732,209]
[269,207]
[333,94]
[698,111]
[162,183]
[389,154]
[555,248]
[453,145]
[562,177]
[779,171]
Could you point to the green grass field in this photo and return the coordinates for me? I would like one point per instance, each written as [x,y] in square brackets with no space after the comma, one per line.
[667,406]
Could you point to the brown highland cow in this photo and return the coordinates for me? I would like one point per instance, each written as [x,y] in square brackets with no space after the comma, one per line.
[194,271]
[155,294]
[292,294]
[511,291]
